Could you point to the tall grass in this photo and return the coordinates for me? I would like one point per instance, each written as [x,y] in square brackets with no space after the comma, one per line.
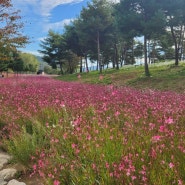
[27,142]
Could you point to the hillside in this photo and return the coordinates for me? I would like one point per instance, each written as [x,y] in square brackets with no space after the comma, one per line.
[164,76]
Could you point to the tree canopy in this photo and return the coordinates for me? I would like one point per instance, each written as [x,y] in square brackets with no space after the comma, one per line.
[56,52]
[105,32]
[175,22]
[141,18]
[10,33]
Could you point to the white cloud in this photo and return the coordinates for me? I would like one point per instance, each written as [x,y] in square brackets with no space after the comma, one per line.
[46,6]
[114,1]
[57,26]
[41,38]
[42,7]
[24,5]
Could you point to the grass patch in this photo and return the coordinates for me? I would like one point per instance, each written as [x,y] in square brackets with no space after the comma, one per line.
[164,76]
[24,144]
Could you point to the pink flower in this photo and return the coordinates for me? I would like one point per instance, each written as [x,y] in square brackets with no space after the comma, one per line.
[56,182]
[77,151]
[111,137]
[55,170]
[50,175]
[171,165]
[133,177]
[41,173]
[117,113]
[89,137]
[93,166]
[107,165]
[111,174]
[34,167]
[153,153]
[73,145]
[179,182]
[156,138]
[101,77]
[169,121]
[152,126]
[128,173]
[65,136]
[161,128]
[79,76]
[40,163]
[56,140]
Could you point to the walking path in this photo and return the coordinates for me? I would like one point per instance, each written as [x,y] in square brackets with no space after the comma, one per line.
[8,174]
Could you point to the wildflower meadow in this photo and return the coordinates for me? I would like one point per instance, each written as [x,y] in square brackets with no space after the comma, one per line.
[70,133]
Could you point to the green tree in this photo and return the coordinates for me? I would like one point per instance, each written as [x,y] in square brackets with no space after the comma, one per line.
[30,62]
[58,49]
[71,62]
[54,49]
[95,22]
[138,50]
[175,17]
[141,18]
[73,41]
[17,64]
[10,33]
[164,45]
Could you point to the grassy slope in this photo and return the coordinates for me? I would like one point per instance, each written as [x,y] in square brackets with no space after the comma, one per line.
[164,76]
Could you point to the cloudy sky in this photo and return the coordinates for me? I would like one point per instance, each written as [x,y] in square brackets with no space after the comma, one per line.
[41,15]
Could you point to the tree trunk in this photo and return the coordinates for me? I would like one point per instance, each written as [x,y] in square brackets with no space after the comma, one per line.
[81,65]
[116,57]
[124,54]
[176,55]
[147,73]
[97,65]
[61,68]
[121,60]
[133,60]
[182,44]
[149,52]
[176,47]
[113,62]
[86,63]
[98,48]
[70,67]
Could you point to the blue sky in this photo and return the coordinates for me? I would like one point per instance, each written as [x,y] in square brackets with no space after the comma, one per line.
[39,16]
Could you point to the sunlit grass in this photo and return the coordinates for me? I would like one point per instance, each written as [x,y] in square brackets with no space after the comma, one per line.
[164,76]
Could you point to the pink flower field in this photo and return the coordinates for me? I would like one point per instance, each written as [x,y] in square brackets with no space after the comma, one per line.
[74,133]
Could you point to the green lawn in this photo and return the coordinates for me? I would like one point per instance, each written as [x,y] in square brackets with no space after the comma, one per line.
[164,76]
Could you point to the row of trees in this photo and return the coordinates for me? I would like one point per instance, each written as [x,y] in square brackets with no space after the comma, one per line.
[56,51]
[106,32]
[25,62]
[21,62]
[10,35]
